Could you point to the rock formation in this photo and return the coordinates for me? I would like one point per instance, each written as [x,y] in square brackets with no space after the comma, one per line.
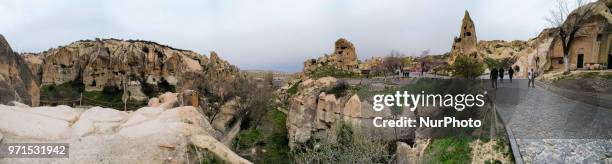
[226,114]
[133,64]
[313,113]
[535,56]
[313,110]
[466,43]
[343,58]
[162,133]
[16,80]
[500,49]
[411,153]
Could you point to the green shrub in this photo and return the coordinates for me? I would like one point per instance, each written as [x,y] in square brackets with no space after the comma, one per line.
[294,88]
[64,91]
[164,86]
[113,99]
[248,138]
[467,67]
[350,147]
[111,90]
[492,63]
[588,75]
[152,90]
[449,150]
[270,135]
[328,70]
[339,90]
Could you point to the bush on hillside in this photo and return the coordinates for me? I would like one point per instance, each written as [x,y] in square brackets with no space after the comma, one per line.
[467,67]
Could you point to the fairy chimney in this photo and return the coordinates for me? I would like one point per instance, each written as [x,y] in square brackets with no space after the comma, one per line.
[466,42]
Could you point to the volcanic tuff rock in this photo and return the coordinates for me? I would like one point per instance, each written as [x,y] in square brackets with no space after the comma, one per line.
[500,49]
[158,134]
[313,110]
[344,58]
[466,43]
[536,55]
[226,114]
[16,80]
[313,113]
[111,62]
[411,153]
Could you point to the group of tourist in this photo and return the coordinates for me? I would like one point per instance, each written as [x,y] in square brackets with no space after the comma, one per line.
[495,73]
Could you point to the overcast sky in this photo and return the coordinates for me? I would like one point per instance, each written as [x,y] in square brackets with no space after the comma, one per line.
[269,34]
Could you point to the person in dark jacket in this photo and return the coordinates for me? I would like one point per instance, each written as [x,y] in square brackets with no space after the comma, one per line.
[494,78]
[510,73]
[501,74]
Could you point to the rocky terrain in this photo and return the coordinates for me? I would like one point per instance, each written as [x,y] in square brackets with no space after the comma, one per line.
[17,82]
[137,70]
[129,64]
[164,132]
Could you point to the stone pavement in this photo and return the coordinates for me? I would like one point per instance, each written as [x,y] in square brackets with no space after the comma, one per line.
[553,129]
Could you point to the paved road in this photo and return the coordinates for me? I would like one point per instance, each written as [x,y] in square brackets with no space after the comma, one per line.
[553,129]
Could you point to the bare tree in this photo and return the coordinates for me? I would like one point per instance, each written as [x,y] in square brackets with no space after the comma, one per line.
[567,24]
[393,62]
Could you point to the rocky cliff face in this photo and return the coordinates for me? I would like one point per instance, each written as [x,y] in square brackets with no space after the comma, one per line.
[344,58]
[312,110]
[16,80]
[132,64]
[313,113]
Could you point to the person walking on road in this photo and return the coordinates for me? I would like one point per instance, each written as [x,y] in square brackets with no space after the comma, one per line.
[422,68]
[510,73]
[531,76]
[501,74]
[493,78]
